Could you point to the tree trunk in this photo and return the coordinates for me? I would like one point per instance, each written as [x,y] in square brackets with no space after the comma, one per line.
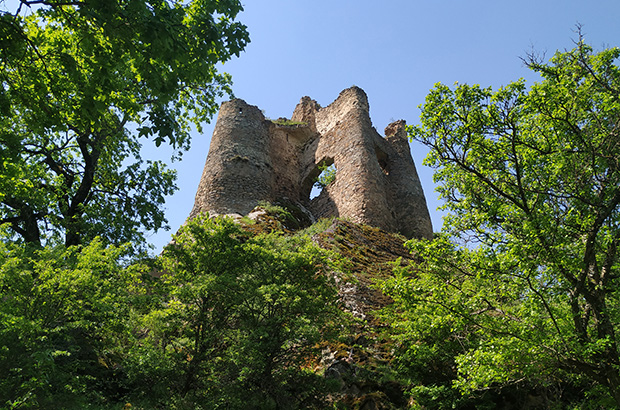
[26,222]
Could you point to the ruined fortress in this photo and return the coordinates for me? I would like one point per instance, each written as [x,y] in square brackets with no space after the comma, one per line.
[253,159]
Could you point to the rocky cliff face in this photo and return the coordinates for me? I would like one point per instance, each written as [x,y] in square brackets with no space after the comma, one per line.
[252,159]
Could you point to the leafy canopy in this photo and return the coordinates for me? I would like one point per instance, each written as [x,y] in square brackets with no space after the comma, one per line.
[239,316]
[220,319]
[528,261]
[62,313]
[80,83]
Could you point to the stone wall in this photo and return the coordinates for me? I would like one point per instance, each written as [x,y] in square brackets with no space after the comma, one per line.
[253,159]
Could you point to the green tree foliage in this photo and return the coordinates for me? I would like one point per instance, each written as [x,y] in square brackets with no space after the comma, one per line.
[327,176]
[225,319]
[238,319]
[80,83]
[62,312]
[525,280]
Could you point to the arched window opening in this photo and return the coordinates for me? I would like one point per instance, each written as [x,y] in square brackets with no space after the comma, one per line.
[322,176]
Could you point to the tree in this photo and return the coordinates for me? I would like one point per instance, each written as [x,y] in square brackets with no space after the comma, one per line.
[62,311]
[81,83]
[240,316]
[528,261]
[326,177]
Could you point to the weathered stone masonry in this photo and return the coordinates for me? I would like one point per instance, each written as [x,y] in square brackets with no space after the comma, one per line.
[253,159]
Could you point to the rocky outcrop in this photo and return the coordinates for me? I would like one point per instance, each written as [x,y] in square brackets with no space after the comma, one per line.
[253,159]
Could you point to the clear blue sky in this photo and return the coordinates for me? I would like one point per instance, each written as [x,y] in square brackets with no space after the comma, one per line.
[395,50]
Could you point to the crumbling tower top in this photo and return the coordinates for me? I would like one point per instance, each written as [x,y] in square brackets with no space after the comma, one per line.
[253,159]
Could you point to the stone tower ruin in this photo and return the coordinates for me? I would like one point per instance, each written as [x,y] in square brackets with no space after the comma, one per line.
[253,159]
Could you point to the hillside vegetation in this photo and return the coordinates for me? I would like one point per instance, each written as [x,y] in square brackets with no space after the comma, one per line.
[229,314]
[236,316]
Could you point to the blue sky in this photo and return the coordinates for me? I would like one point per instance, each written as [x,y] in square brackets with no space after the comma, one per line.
[395,50]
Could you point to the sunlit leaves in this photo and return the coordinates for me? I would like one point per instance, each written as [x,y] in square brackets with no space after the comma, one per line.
[531,179]
[61,310]
[238,313]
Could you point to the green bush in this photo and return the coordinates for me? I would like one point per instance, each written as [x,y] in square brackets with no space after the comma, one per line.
[239,319]
[62,311]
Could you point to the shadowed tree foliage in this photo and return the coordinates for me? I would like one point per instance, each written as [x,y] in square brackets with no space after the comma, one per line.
[80,83]
[528,262]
